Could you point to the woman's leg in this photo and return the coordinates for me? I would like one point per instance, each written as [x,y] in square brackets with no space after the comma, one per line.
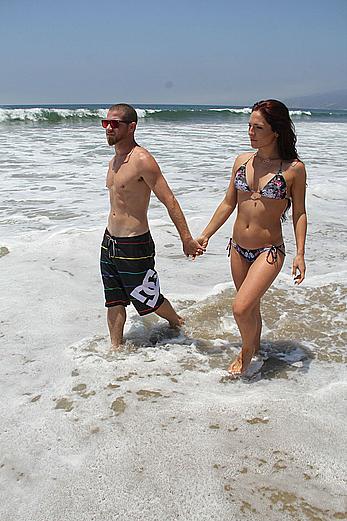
[246,307]
[259,327]
[239,270]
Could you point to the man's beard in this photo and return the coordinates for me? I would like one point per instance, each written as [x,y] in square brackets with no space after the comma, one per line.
[111,140]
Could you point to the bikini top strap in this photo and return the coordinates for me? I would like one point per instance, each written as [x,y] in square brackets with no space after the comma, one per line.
[250,157]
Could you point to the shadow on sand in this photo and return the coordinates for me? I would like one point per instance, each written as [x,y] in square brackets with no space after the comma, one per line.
[283,357]
[276,359]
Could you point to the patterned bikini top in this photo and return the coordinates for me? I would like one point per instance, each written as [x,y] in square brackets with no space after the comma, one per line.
[275,188]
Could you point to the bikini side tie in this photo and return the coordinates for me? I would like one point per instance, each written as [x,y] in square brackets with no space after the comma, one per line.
[273,253]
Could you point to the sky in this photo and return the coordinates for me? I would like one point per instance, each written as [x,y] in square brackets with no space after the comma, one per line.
[151,51]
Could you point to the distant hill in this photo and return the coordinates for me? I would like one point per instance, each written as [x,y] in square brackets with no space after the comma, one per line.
[328,100]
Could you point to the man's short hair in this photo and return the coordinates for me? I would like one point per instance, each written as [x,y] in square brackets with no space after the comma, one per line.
[129,113]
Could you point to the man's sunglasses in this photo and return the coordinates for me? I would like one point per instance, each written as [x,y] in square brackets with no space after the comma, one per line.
[114,123]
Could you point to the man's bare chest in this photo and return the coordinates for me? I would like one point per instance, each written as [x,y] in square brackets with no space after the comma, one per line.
[126,185]
[122,178]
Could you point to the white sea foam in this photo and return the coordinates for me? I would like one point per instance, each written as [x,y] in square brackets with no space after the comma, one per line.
[47,114]
[300,113]
[90,420]
[199,175]
[248,110]
[41,114]
[245,110]
[330,190]
[141,112]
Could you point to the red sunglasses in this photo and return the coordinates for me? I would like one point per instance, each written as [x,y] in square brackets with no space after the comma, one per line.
[114,123]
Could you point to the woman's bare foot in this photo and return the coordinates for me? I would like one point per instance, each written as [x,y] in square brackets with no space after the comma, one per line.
[241,363]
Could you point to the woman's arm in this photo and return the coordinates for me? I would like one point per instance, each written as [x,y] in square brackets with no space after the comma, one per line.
[224,210]
[299,221]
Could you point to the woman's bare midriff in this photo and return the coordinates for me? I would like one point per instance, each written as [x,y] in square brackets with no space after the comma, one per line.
[261,228]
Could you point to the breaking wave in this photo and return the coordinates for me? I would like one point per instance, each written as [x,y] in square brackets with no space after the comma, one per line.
[74,113]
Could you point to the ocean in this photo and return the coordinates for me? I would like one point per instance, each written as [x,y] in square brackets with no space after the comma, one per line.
[159,431]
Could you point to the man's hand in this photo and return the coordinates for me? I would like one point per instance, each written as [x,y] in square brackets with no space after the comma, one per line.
[192,247]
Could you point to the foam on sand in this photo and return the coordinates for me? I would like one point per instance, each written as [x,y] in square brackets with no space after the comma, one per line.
[158,430]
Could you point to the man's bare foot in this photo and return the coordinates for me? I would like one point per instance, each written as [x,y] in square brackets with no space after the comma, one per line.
[116,347]
[178,322]
[241,363]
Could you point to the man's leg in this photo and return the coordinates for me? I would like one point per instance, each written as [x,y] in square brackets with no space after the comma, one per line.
[140,252]
[167,311]
[116,316]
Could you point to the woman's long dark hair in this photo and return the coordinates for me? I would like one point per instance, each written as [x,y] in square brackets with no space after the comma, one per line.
[277,115]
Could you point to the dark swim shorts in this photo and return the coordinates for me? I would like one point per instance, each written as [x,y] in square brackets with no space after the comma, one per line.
[128,274]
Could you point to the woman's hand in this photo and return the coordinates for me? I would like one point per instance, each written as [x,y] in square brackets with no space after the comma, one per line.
[298,266]
[192,247]
[203,241]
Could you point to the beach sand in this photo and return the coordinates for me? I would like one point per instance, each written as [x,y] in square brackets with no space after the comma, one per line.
[158,432]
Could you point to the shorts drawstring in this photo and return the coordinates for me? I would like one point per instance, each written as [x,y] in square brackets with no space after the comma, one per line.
[112,246]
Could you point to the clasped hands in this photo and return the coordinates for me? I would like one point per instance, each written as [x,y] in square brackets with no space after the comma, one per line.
[195,247]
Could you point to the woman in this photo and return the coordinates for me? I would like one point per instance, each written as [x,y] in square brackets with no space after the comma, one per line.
[263,185]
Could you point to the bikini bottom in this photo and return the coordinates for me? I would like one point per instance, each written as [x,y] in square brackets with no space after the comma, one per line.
[252,255]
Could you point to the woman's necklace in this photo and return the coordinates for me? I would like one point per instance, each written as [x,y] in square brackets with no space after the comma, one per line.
[266,160]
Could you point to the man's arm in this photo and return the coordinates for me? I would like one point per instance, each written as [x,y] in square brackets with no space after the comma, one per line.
[154,178]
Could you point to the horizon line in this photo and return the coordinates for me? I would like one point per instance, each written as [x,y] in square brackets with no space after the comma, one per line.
[138,105]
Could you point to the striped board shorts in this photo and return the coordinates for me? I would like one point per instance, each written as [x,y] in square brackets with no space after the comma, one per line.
[128,274]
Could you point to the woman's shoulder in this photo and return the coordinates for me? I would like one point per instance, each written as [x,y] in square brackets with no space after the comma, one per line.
[243,158]
[295,165]
[297,172]
[298,166]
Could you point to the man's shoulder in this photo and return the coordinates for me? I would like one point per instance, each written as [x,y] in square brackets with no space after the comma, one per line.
[142,153]
[144,159]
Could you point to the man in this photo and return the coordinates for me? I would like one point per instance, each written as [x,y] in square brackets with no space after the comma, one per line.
[127,250]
